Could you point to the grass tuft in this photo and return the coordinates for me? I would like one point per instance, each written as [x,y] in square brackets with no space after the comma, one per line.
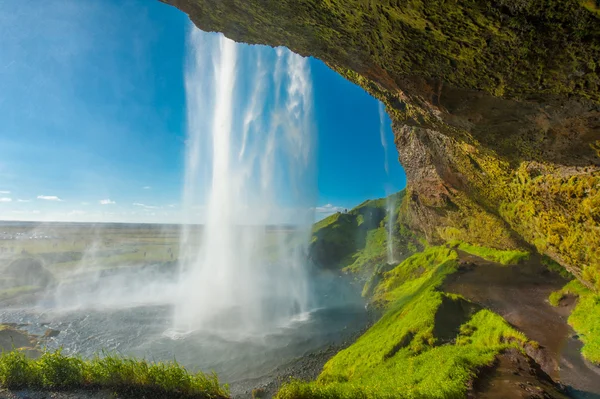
[55,371]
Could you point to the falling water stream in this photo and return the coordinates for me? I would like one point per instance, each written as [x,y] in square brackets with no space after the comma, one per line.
[390,199]
[240,276]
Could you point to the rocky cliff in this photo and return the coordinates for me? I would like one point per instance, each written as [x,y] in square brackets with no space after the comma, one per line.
[495,105]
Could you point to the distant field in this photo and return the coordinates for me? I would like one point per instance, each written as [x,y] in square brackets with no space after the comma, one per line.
[62,248]
[66,245]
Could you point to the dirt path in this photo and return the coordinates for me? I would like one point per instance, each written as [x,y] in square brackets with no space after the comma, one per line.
[519,294]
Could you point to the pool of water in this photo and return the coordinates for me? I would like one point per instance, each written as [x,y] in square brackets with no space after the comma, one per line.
[113,317]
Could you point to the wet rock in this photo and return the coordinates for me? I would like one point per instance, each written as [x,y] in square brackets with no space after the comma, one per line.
[50,333]
[11,338]
[502,381]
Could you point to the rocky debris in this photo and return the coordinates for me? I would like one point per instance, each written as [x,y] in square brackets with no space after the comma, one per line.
[12,338]
[515,375]
[306,368]
[50,333]
[80,394]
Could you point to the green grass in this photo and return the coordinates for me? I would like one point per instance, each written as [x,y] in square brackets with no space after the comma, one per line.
[585,318]
[504,257]
[434,372]
[422,270]
[555,267]
[14,291]
[356,241]
[374,252]
[427,344]
[337,238]
[55,371]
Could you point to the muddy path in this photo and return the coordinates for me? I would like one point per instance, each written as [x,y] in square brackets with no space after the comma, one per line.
[520,293]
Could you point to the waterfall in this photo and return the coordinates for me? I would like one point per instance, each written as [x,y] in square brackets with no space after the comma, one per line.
[390,197]
[249,165]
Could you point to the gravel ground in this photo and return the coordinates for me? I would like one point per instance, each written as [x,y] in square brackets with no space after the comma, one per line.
[57,395]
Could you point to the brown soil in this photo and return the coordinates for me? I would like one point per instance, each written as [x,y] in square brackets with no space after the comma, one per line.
[519,294]
[514,375]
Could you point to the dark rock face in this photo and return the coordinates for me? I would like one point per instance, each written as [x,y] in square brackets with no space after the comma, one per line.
[495,103]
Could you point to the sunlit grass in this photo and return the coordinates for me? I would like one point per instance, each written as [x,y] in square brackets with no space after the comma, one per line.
[53,371]
[504,257]
[403,354]
[585,318]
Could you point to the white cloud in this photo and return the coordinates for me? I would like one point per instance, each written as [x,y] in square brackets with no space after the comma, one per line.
[76,213]
[329,209]
[146,187]
[34,212]
[145,206]
[23,200]
[5,199]
[85,203]
[4,192]
[107,202]
[49,198]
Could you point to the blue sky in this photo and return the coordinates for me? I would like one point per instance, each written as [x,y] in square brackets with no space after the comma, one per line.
[93,111]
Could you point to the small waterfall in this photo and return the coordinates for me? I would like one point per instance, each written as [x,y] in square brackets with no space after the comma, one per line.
[249,162]
[390,198]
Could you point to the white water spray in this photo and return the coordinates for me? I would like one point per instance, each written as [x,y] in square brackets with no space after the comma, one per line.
[248,164]
[390,199]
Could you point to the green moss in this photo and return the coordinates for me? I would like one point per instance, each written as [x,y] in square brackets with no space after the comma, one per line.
[469,222]
[592,5]
[495,255]
[585,318]
[53,370]
[559,215]
[555,267]
[499,46]
[427,344]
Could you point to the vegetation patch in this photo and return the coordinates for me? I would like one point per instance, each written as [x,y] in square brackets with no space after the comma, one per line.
[585,318]
[15,291]
[504,257]
[357,241]
[412,351]
[55,371]
[421,271]
[555,267]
